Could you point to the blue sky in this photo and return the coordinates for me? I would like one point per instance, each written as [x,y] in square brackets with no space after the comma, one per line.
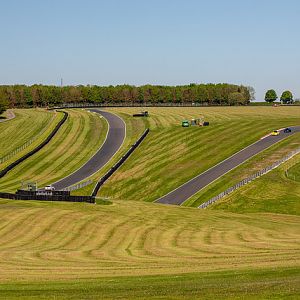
[169,42]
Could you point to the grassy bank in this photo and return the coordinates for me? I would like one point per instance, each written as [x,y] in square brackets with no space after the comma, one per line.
[171,155]
[76,141]
[277,192]
[27,124]
[257,163]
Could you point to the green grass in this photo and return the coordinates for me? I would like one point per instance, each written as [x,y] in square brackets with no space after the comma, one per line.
[258,162]
[135,249]
[76,141]
[255,284]
[116,249]
[273,192]
[294,172]
[26,125]
[134,128]
[171,155]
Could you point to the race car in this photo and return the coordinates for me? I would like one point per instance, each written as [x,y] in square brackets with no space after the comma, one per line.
[275,132]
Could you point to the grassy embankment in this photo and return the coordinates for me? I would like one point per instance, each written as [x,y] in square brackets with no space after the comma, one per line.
[171,155]
[79,251]
[250,167]
[276,192]
[27,125]
[75,142]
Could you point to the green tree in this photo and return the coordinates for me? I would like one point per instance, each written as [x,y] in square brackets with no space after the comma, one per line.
[270,96]
[236,98]
[286,97]
[3,102]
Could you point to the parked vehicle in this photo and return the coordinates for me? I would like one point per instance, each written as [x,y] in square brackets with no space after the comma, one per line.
[275,132]
[49,188]
[287,130]
[185,123]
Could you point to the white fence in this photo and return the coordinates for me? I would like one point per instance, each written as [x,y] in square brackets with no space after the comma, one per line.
[25,145]
[249,179]
[78,186]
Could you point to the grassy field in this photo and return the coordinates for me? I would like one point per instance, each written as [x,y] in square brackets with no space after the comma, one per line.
[171,155]
[76,141]
[76,251]
[26,125]
[246,247]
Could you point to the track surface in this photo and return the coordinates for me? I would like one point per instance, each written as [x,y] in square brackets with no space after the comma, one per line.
[185,191]
[114,140]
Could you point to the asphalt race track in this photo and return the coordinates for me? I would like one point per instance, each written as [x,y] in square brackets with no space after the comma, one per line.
[115,137]
[185,191]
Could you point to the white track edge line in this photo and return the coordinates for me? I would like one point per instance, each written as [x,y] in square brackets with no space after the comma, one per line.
[95,152]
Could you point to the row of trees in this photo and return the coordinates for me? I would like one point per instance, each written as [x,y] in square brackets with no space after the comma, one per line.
[44,95]
[286,97]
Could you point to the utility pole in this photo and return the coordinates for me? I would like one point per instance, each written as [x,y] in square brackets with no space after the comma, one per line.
[61,82]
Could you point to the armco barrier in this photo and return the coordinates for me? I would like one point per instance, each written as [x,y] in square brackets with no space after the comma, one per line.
[78,186]
[249,179]
[119,163]
[66,198]
[35,150]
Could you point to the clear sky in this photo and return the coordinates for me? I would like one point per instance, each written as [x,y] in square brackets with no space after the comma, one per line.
[168,42]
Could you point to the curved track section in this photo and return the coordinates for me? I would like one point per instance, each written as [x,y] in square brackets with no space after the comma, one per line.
[114,140]
[188,189]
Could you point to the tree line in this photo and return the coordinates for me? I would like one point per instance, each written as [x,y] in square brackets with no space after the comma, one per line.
[46,95]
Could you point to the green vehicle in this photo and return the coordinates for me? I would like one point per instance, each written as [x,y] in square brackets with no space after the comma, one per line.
[185,123]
